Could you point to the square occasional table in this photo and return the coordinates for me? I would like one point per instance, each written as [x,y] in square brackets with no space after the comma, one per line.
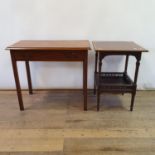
[46,50]
[116,82]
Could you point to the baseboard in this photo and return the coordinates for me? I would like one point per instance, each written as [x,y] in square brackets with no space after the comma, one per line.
[65,89]
[47,89]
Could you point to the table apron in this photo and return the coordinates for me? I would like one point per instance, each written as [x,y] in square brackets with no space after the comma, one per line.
[104,54]
[49,55]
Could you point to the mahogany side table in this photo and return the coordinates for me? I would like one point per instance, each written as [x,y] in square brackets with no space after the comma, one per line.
[46,50]
[116,82]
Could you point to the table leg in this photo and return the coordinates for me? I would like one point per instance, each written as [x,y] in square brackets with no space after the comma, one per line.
[85,72]
[29,77]
[96,58]
[126,64]
[98,100]
[16,76]
[98,89]
[137,68]
[138,57]
[132,100]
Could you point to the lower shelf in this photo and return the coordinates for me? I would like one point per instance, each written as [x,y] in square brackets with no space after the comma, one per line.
[114,82]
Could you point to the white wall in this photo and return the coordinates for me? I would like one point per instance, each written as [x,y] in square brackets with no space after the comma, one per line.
[128,20]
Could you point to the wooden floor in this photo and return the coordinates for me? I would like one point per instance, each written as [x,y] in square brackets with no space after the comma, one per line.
[54,123]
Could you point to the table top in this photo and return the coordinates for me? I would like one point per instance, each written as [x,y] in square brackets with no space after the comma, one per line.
[50,45]
[117,46]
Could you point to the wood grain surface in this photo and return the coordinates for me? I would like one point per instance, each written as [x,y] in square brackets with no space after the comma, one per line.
[51,45]
[126,46]
[54,124]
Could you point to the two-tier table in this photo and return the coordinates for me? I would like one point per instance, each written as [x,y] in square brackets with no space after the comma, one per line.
[35,50]
[116,82]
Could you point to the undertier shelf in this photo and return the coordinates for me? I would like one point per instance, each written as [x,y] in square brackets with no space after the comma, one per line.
[114,82]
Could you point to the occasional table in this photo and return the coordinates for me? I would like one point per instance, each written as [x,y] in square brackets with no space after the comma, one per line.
[116,82]
[46,50]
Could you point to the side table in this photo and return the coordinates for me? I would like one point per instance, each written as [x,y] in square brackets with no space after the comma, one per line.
[116,82]
[48,50]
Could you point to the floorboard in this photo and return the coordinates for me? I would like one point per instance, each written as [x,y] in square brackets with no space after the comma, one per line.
[54,123]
